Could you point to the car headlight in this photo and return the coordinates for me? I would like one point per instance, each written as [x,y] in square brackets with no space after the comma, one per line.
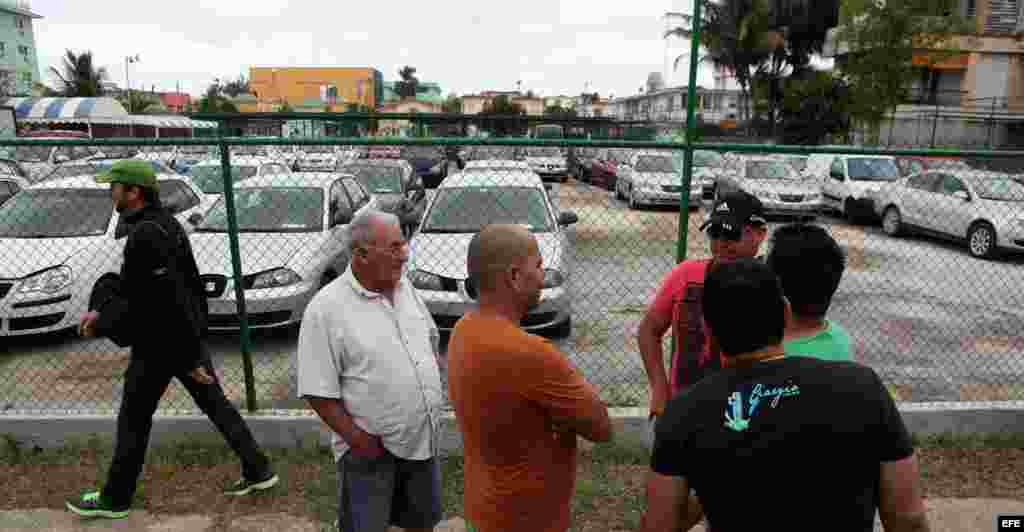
[49,281]
[426,281]
[274,279]
[553,278]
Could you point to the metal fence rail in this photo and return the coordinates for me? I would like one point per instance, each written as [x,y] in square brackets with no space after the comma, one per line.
[267,219]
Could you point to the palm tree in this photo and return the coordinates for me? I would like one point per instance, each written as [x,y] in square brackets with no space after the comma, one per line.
[78,77]
[734,35]
[139,103]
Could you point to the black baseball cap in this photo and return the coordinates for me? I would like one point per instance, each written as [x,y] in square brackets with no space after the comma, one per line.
[732,211]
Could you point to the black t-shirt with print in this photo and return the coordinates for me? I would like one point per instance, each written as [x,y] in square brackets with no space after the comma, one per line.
[788,444]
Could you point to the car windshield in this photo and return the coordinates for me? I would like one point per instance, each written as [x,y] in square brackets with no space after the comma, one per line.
[377,179]
[260,151]
[660,164]
[543,152]
[269,210]
[92,168]
[864,169]
[56,213]
[707,158]
[420,152]
[451,211]
[770,170]
[999,189]
[210,179]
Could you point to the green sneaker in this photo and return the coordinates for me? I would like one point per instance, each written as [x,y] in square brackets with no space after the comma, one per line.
[245,486]
[92,504]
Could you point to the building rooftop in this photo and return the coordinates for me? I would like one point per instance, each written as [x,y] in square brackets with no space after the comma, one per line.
[20,7]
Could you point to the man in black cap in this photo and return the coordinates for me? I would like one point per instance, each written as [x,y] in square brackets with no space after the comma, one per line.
[736,228]
[158,307]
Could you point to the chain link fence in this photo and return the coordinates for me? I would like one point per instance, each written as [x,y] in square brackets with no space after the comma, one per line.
[932,293]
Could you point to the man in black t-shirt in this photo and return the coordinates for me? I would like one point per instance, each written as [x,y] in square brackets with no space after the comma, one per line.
[779,443]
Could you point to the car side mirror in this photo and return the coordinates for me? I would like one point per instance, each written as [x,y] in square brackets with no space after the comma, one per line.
[567,218]
[962,194]
[195,218]
[342,218]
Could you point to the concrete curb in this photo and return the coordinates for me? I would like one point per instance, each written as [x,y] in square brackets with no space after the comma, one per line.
[289,429]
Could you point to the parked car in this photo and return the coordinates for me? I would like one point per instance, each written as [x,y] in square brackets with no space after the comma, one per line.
[983,209]
[209,174]
[654,179]
[849,182]
[384,152]
[59,239]
[782,190]
[708,168]
[482,153]
[293,239]
[915,164]
[466,202]
[395,186]
[39,161]
[546,161]
[185,157]
[603,170]
[497,165]
[581,158]
[10,185]
[318,159]
[429,163]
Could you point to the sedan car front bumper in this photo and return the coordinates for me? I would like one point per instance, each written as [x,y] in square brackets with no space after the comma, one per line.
[264,307]
[37,313]
[447,307]
[802,208]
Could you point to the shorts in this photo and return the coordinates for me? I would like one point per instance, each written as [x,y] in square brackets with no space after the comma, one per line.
[387,490]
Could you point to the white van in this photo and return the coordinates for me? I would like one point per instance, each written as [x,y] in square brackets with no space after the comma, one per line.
[849,183]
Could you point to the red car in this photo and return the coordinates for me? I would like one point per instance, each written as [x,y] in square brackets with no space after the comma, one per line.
[384,152]
[604,168]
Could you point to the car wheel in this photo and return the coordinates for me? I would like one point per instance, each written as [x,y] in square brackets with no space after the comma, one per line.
[562,330]
[633,203]
[892,222]
[981,241]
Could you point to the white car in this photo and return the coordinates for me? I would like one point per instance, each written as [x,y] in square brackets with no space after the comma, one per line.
[655,179]
[782,190]
[318,158]
[547,161]
[293,239]
[498,165]
[849,182]
[209,175]
[11,185]
[983,209]
[466,202]
[57,240]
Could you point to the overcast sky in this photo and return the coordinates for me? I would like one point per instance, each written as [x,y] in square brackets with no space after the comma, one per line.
[465,45]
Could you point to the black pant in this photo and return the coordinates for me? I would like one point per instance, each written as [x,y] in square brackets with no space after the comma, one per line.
[144,384]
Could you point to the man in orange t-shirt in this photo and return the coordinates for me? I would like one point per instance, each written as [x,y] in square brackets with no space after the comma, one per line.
[518,400]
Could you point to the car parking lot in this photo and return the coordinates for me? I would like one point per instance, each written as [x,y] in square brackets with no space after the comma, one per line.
[936,323]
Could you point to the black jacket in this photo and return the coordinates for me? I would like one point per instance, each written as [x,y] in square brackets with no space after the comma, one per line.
[158,306]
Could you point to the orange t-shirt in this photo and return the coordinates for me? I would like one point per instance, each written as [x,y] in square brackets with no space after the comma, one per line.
[505,385]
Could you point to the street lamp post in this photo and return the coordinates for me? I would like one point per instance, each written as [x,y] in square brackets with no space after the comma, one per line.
[132,59]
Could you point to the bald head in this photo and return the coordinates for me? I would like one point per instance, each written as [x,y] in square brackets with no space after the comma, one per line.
[495,249]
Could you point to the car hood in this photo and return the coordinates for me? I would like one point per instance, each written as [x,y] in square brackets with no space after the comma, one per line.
[776,187]
[25,256]
[259,251]
[661,178]
[445,254]
[545,160]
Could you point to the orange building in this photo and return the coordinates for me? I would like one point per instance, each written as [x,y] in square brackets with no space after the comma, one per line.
[321,88]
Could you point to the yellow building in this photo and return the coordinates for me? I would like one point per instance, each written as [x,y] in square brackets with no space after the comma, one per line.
[315,88]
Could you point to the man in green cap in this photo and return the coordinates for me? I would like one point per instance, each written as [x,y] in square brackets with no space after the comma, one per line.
[158,307]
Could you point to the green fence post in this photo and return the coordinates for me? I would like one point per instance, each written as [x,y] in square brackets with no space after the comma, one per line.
[691,130]
[236,272]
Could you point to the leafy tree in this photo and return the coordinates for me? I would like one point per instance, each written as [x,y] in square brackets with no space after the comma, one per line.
[236,87]
[557,111]
[285,107]
[816,105]
[453,104]
[214,100]
[78,77]
[881,39]
[136,102]
[409,84]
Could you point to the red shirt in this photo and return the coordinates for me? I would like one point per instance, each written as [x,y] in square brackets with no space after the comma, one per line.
[679,299]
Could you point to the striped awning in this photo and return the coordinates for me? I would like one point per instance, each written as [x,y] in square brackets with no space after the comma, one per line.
[99,111]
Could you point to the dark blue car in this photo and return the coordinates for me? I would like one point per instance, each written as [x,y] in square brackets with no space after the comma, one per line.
[428,162]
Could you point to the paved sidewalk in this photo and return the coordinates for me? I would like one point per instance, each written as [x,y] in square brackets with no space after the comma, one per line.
[946,515]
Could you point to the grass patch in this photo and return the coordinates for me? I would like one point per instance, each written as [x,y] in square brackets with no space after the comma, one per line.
[623,395]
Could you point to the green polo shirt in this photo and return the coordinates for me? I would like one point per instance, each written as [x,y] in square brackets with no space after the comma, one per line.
[833,343]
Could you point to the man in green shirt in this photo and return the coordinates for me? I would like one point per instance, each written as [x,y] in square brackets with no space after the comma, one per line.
[810,264]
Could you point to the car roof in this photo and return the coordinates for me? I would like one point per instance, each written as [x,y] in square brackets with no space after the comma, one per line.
[483,179]
[90,182]
[294,179]
[245,160]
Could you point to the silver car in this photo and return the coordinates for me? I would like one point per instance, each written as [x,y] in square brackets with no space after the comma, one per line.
[983,209]
[209,175]
[394,185]
[782,190]
[464,203]
[293,239]
[655,179]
